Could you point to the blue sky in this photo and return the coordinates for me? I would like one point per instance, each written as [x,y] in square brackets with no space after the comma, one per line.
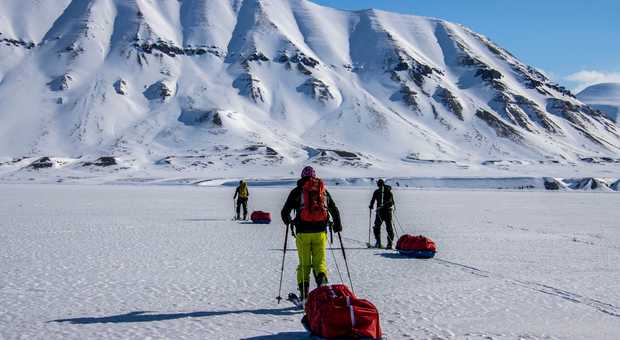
[577,42]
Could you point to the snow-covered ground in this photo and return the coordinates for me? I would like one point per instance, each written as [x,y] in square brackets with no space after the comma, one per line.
[166,262]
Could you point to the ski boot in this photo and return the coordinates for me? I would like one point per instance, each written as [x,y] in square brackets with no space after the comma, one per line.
[321,280]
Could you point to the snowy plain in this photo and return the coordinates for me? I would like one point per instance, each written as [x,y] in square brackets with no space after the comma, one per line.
[167,262]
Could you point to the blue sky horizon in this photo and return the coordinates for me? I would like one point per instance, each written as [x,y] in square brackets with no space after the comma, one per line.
[574,41]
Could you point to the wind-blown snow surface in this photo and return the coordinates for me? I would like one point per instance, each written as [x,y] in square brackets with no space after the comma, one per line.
[604,97]
[127,262]
[206,86]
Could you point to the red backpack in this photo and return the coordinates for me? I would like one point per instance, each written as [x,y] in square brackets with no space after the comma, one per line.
[332,311]
[314,201]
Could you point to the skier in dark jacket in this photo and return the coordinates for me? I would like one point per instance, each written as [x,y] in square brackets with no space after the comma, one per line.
[313,205]
[385,203]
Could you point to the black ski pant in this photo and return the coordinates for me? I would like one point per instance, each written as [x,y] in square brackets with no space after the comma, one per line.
[242,201]
[384,215]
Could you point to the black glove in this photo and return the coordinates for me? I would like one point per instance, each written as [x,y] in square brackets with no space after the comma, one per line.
[337,227]
[370,207]
[286,220]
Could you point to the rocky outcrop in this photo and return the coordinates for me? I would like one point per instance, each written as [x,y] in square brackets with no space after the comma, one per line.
[121,87]
[170,49]
[60,83]
[250,87]
[600,160]
[196,117]
[552,184]
[450,101]
[257,56]
[415,158]
[533,78]
[575,113]
[509,108]
[41,163]
[160,90]
[491,77]
[588,184]
[104,161]
[325,157]
[407,96]
[537,115]
[501,129]
[582,119]
[221,156]
[415,70]
[17,43]
[302,62]
[261,149]
[317,90]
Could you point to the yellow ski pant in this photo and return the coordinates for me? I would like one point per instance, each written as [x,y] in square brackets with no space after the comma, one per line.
[311,249]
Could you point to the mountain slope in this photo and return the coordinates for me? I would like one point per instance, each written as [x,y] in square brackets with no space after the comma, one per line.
[215,85]
[604,97]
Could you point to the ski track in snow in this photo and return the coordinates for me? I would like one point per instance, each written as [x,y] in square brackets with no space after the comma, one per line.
[167,262]
[606,308]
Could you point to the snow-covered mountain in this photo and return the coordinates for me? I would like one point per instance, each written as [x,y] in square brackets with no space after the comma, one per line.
[604,97]
[221,85]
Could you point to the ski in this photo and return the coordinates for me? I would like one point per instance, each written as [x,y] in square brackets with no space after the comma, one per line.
[372,246]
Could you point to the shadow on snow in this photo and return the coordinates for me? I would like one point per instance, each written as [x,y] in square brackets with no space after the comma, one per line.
[146,316]
[280,336]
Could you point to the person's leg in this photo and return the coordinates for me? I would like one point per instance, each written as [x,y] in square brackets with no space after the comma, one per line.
[319,258]
[245,208]
[238,207]
[389,226]
[305,261]
[377,229]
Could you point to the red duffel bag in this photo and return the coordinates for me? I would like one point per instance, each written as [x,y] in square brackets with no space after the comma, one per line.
[332,311]
[416,246]
[261,217]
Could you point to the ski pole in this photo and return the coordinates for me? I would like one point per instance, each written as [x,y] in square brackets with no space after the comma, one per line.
[279,297]
[346,263]
[369,224]
[234,209]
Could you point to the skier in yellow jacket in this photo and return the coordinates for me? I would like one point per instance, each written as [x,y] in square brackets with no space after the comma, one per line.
[242,195]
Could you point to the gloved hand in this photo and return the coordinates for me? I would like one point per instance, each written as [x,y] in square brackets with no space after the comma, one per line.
[370,207]
[286,220]
[337,227]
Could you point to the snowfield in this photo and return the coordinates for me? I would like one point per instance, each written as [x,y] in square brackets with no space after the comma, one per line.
[167,262]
